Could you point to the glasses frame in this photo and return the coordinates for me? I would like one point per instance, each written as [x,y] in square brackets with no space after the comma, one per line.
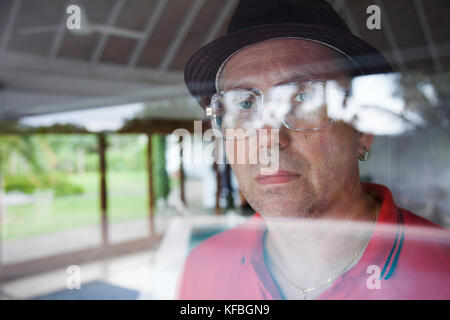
[213,113]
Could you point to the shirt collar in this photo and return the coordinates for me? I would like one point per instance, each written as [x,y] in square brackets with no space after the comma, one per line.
[386,241]
[382,249]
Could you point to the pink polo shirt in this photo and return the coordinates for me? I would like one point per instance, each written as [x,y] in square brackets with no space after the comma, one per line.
[410,256]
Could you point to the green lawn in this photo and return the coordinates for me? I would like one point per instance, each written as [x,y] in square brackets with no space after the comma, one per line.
[127,200]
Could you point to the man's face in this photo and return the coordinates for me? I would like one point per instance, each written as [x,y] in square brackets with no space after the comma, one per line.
[318,167]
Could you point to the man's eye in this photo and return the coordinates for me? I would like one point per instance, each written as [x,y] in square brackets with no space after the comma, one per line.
[301,97]
[245,105]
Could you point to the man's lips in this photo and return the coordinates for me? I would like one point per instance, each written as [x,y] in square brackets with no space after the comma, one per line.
[280,177]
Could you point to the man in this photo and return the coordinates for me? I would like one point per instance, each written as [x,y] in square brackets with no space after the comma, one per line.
[319,233]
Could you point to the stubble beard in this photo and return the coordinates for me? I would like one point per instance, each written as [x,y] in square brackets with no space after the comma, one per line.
[275,203]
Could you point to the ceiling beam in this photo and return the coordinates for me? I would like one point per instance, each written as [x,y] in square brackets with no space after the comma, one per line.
[341,8]
[67,83]
[93,27]
[151,24]
[396,52]
[15,8]
[59,37]
[181,34]
[220,20]
[336,4]
[121,32]
[98,51]
[417,54]
[425,26]
[61,66]
[17,104]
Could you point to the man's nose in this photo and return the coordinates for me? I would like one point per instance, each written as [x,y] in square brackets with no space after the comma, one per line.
[279,136]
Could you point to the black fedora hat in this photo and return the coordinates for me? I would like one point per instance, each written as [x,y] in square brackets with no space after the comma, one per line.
[255,21]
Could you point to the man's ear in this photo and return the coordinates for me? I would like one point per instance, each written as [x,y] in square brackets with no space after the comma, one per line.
[364,141]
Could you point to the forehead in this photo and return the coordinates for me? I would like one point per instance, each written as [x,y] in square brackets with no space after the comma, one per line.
[279,61]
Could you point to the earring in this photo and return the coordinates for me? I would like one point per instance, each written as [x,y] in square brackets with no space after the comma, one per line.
[365,156]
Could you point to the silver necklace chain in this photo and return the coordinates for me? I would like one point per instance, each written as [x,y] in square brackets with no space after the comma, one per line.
[305,291]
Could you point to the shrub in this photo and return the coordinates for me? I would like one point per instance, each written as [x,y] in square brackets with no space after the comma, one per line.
[19,183]
[29,183]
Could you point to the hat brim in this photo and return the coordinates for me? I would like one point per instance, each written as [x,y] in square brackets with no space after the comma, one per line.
[200,71]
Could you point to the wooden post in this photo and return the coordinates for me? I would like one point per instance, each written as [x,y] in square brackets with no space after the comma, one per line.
[103,188]
[2,213]
[218,210]
[150,184]
[228,186]
[182,177]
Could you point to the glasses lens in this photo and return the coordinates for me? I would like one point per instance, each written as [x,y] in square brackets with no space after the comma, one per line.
[299,106]
[306,108]
[236,109]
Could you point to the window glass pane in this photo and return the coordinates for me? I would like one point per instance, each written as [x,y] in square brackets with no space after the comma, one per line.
[50,202]
[127,187]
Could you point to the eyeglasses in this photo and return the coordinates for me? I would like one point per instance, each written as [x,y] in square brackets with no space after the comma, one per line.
[299,106]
